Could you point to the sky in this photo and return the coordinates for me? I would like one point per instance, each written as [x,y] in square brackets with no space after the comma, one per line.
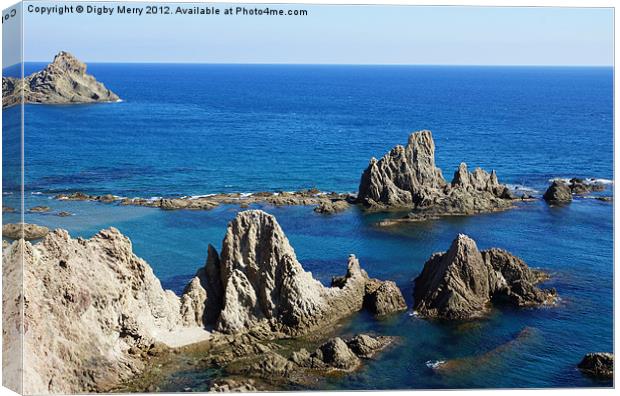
[331,35]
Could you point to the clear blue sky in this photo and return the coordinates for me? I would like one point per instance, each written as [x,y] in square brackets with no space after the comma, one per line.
[334,34]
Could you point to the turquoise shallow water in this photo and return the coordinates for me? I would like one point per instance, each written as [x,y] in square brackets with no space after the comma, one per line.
[252,128]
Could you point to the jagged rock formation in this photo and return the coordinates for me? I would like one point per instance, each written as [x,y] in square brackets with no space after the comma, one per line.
[583,186]
[407,178]
[64,81]
[383,298]
[463,282]
[558,192]
[24,230]
[93,312]
[598,365]
[262,285]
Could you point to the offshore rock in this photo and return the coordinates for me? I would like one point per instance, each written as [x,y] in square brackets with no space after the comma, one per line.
[463,282]
[383,298]
[407,178]
[558,193]
[24,230]
[598,365]
[64,81]
[94,312]
[265,287]
[331,207]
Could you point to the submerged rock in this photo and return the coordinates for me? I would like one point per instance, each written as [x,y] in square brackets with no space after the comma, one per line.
[598,365]
[407,178]
[24,230]
[94,313]
[463,282]
[39,209]
[558,193]
[64,81]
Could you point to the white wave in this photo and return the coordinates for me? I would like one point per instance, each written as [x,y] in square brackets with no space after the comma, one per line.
[36,193]
[587,180]
[433,364]
[521,188]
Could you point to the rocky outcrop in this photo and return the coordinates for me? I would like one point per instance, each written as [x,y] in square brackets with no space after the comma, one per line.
[598,365]
[326,202]
[407,178]
[331,207]
[93,312]
[558,193]
[463,282]
[64,81]
[263,286]
[24,230]
[383,298]
[580,186]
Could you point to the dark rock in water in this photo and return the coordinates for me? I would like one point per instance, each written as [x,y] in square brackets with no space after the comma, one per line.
[329,207]
[336,353]
[605,199]
[64,81]
[463,282]
[599,365]
[64,214]
[39,209]
[407,178]
[8,209]
[581,186]
[28,231]
[558,192]
[383,298]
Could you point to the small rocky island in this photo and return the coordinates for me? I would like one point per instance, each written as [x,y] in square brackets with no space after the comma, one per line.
[463,282]
[64,81]
[407,178]
[112,314]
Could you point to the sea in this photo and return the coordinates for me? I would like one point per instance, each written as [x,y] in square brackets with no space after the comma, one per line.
[196,129]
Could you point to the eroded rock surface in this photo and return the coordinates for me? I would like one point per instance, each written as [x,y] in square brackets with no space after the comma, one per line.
[407,178]
[93,311]
[64,81]
[463,282]
[24,230]
[598,365]
[558,193]
[264,285]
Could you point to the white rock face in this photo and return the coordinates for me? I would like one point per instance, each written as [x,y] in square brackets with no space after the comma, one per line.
[87,303]
[265,286]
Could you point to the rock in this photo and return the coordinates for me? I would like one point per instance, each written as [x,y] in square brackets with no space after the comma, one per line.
[407,178]
[383,298]
[605,199]
[581,186]
[233,385]
[39,209]
[64,81]
[336,353]
[366,347]
[28,231]
[64,214]
[94,312]
[8,209]
[598,365]
[264,286]
[329,207]
[202,299]
[463,282]
[558,193]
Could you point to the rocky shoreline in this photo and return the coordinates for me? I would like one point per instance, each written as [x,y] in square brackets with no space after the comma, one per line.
[251,313]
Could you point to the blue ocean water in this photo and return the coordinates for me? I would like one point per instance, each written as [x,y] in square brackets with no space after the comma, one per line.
[198,129]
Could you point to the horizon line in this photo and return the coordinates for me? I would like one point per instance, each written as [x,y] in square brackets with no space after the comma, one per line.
[335,64]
